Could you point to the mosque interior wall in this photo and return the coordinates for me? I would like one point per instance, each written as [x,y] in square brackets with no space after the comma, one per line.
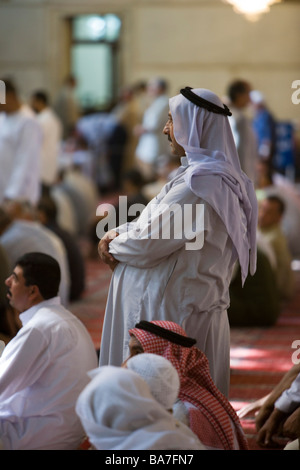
[197,43]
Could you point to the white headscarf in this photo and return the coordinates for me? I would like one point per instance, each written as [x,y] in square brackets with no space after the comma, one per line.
[118,412]
[214,172]
[160,375]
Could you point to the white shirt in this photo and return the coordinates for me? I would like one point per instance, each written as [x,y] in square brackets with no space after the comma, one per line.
[43,369]
[52,134]
[20,153]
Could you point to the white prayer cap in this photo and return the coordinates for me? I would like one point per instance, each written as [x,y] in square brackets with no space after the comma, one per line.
[160,375]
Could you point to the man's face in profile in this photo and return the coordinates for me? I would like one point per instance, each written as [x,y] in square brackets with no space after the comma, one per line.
[18,293]
[169,131]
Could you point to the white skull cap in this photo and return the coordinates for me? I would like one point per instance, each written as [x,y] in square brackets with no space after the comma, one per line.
[160,375]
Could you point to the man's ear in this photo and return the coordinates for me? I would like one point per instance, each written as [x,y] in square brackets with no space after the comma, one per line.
[34,292]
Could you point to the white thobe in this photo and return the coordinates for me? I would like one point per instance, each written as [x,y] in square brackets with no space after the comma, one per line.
[52,135]
[24,236]
[160,279]
[20,154]
[153,142]
[43,369]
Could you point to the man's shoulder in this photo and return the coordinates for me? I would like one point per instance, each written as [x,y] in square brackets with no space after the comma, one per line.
[178,191]
[54,310]
[21,227]
[50,319]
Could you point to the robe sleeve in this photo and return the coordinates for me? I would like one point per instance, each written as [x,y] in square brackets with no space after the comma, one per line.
[290,398]
[171,221]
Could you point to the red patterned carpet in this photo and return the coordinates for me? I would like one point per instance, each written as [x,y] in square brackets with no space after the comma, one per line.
[91,307]
[259,359]
[259,356]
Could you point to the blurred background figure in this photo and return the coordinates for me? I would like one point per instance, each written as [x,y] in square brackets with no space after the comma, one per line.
[47,216]
[106,138]
[84,157]
[151,141]
[128,114]
[52,135]
[9,323]
[83,193]
[264,125]
[238,93]
[272,183]
[257,302]
[66,106]
[20,149]
[20,233]
[271,210]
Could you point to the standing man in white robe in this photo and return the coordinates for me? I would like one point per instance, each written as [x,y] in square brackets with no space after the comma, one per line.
[185,279]
[151,143]
[242,127]
[67,107]
[20,150]
[52,136]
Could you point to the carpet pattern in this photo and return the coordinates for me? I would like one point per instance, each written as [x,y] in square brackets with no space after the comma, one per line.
[90,308]
[259,356]
[259,359]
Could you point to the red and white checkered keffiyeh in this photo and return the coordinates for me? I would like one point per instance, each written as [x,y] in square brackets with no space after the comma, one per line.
[214,420]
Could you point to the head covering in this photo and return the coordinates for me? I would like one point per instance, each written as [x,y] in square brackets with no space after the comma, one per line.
[214,172]
[215,422]
[118,412]
[160,375]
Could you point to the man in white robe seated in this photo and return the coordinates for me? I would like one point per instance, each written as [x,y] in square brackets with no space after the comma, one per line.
[43,369]
[271,210]
[19,236]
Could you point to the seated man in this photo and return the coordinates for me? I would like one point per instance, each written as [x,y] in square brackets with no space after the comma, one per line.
[44,367]
[271,210]
[20,234]
[119,411]
[201,405]
[47,216]
[256,303]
